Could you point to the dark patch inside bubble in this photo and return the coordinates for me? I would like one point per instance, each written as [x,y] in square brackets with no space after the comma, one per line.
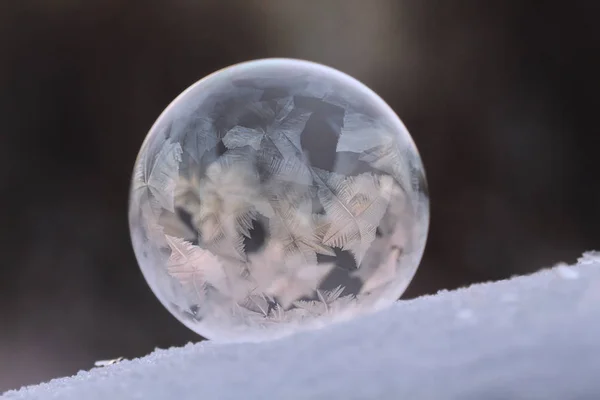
[317,105]
[192,313]
[186,218]
[220,148]
[168,131]
[348,163]
[421,183]
[252,118]
[343,259]
[321,133]
[258,236]
[341,274]
[263,173]
[271,305]
[341,277]
[317,206]
[324,258]
[274,93]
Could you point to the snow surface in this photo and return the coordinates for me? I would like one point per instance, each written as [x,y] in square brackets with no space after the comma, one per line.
[532,337]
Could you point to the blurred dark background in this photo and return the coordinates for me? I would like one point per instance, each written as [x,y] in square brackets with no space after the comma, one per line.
[500,97]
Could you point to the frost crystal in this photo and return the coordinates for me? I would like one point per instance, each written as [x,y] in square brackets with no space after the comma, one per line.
[277,195]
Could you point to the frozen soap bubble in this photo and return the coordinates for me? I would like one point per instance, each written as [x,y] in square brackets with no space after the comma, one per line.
[277,195]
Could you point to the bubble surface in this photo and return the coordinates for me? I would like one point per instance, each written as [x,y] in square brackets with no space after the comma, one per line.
[277,195]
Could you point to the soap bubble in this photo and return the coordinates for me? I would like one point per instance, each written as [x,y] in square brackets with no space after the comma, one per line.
[277,195]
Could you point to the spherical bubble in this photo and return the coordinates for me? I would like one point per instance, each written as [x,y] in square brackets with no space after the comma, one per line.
[277,195]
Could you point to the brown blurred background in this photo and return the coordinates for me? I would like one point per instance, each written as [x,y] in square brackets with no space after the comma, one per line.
[500,97]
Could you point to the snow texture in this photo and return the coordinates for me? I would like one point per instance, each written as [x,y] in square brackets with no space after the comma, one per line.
[531,337]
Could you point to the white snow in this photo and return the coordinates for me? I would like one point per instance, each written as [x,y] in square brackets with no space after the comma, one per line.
[567,272]
[532,337]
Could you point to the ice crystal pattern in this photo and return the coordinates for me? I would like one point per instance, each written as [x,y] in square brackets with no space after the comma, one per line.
[277,195]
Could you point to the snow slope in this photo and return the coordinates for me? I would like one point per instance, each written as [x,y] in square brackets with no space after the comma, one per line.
[532,337]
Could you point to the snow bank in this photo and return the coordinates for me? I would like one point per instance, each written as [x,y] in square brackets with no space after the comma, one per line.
[532,337]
